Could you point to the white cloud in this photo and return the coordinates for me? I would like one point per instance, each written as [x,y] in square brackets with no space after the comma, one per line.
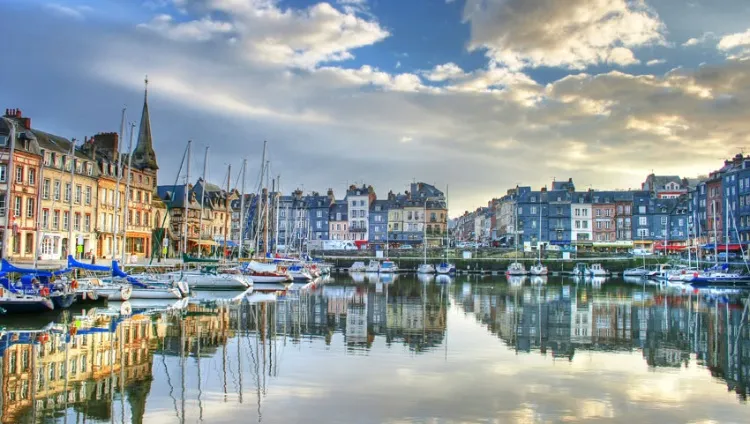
[266,33]
[573,34]
[398,64]
[446,71]
[406,139]
[701,40]
[75,12]
[654,62]
[733,41]
[196,30]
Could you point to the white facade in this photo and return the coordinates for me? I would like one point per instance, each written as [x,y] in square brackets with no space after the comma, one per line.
[359,216]
[581,222]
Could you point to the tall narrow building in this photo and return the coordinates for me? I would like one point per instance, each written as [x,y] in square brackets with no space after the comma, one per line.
[140,216]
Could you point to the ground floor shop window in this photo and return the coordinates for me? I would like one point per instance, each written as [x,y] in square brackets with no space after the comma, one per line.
[136,245]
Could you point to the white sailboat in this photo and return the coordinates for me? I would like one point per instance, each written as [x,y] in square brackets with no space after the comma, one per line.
[445,267]
[516,268]
[539,268]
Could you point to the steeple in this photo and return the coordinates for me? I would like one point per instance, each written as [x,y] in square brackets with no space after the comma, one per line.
[144,156]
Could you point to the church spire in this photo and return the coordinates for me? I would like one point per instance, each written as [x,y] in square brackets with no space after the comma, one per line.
[144,156]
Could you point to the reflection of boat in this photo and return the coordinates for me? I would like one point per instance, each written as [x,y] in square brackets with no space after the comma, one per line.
[387,278]
[516,280]
[372,277]
[425,278]
[358,277]
[633,280]
[538,279]
[443,279]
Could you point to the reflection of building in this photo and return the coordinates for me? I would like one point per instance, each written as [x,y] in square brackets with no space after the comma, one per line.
[44,370]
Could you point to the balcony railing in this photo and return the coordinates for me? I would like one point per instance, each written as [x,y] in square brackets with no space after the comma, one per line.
[358,229]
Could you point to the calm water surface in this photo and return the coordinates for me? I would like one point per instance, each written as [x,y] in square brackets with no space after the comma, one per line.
[405,350]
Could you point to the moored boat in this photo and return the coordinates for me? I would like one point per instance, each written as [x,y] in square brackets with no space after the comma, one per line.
[426,269]
[538,269]
[446,268]
[516,268]
[388,267]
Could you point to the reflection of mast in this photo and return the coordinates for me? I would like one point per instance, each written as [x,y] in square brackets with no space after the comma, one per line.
[239,357]
[200,390]
[182,369]
[224,368]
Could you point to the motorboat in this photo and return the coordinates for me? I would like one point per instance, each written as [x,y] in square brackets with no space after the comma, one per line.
[426,269]
[581,270]
[265,273]
[516,268]
[299,272]
[639,272]
[358,267]
[597,270]
[207,278]
[538,269]
[140,289]
[446,268]
[45,283]
[388,267]
[373,266]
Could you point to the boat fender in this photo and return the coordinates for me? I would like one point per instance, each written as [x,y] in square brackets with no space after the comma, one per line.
[74,284]
[2,292]
[73,331]
[44,292]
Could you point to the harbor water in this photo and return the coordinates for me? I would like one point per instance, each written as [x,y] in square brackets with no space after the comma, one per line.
[389,349]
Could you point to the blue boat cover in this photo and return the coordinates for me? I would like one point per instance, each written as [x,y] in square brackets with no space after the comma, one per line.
[6,267]
[73,263]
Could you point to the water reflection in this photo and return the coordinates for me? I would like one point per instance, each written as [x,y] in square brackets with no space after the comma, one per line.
[187,362]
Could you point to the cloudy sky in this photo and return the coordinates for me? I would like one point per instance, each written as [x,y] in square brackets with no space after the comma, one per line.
[478,94]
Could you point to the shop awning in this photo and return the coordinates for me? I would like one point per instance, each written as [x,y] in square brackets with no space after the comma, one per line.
[723,247]
[229,243]
[203,242]
[673,247]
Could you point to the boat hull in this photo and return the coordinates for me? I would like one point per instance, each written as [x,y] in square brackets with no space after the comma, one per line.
[26,305]
[269,278]
[63,300]
[157,293]
[91,296]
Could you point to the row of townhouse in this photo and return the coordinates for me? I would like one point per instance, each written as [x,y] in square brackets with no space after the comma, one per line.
[360,217]
[60,197]
[563,216]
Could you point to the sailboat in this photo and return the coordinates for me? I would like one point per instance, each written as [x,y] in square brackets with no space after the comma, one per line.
[516,268]
[425,268]
[539,268]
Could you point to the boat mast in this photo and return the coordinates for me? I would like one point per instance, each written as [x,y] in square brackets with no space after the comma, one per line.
[265,218]
[186,200]
[539,244]
[38,246]
[260,192]
[424,232]
[118,198]
[716,238]
[127,192]
[276,224]
[226,214]
[726,230]
[6,250]
[697,244]
[71,245]
[689,244]
[242,210]
[203,197]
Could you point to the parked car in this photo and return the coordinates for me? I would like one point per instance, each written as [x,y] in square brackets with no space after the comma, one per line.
[406,247]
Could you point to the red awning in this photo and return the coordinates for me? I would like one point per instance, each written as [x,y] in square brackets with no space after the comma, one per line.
[671,247]
[360,243]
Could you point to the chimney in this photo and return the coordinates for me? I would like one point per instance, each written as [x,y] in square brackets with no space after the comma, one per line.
[18,113]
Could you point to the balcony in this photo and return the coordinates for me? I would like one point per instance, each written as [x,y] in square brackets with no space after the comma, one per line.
[357,229]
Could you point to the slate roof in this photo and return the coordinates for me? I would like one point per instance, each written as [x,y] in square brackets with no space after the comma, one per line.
[144,156]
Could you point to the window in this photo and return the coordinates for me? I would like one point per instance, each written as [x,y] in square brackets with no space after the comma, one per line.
[3,172]
[89,169]
[68,191]
[585,225]
[3,140]
[598,225]
[627,209]
[17,207]
[606,225]
[642,220]
[88,195]
[29,243]
[663,220]
[45,219]
[19,174]
[138,196]
[45,188]
[32,176]
[319,225]
[319,214]
[56,220]
[79,190]
[641,209]
[533,210]
[130,218]
[642,232]
[29,207]
[56,190]
[598,212]
[77,222]
[578,224]
[145,219]
[66,220]
[138,218]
